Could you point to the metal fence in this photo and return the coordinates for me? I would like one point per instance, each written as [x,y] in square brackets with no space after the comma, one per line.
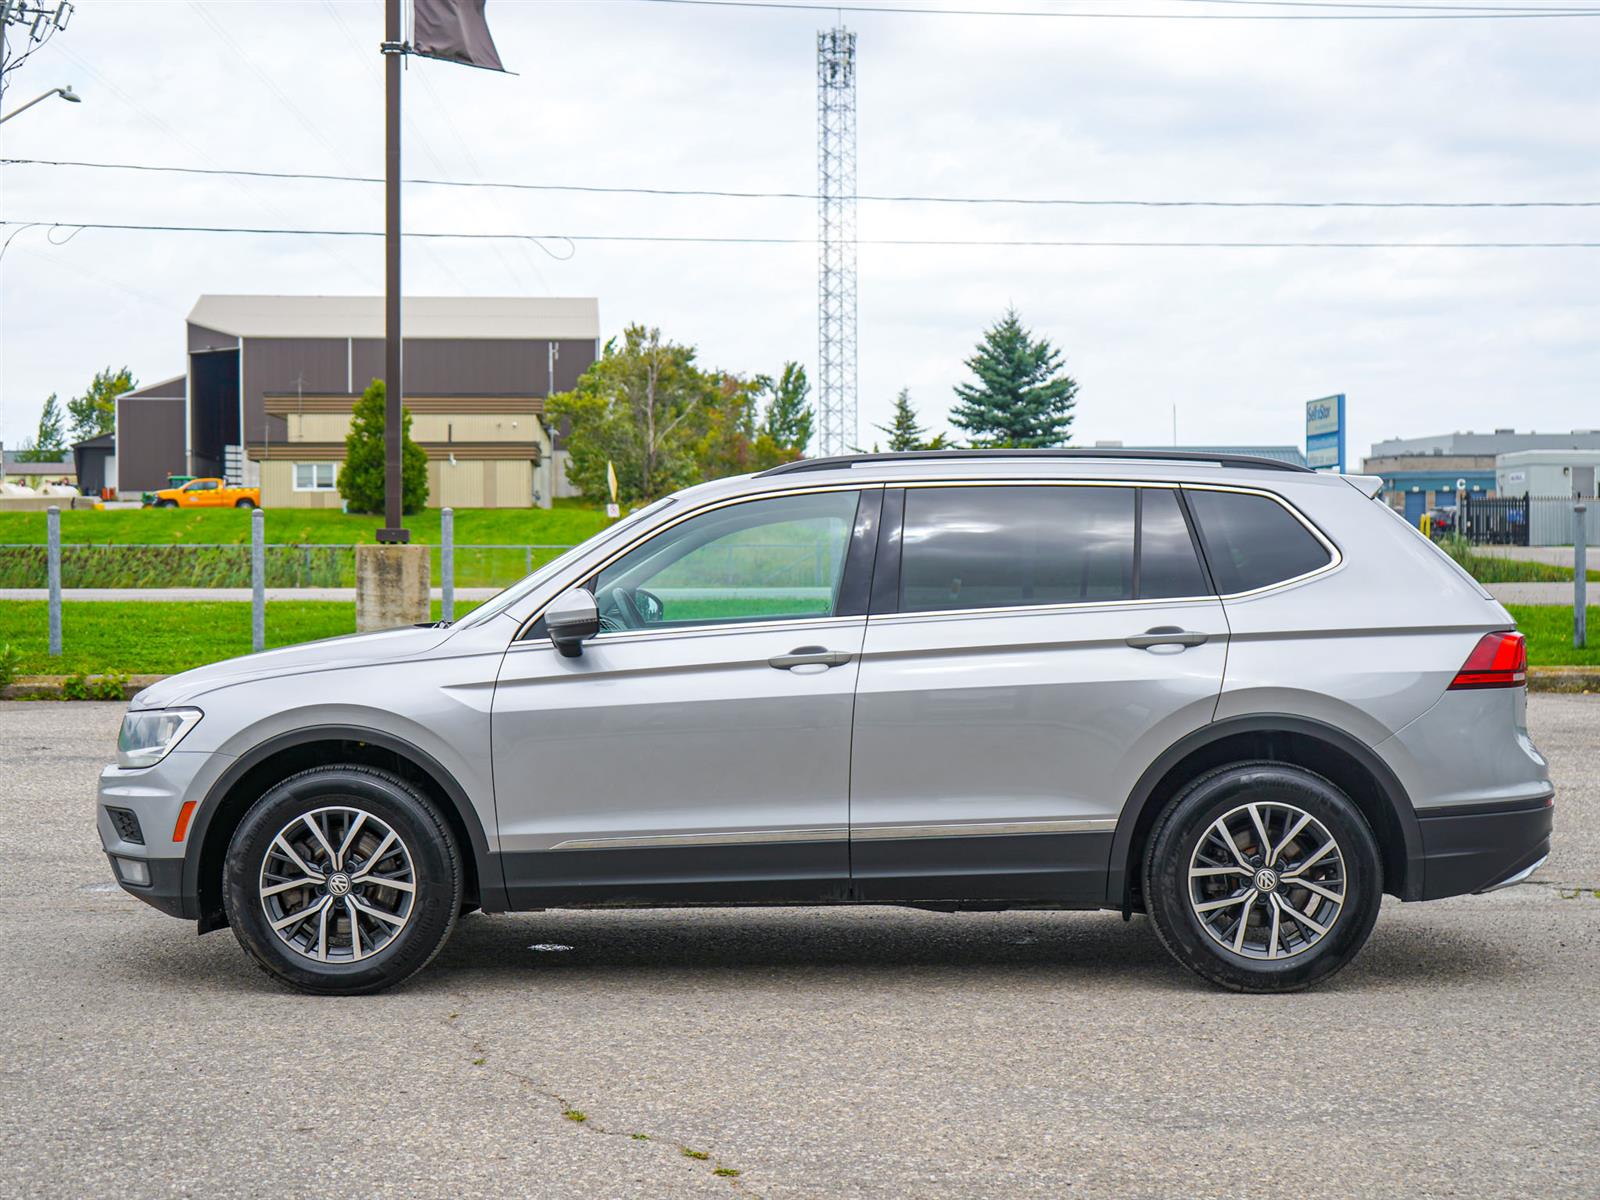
[1526,520]
[227,565]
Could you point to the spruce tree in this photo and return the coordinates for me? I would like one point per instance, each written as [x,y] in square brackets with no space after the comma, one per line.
[361,478]
[1023,396]
[905,433]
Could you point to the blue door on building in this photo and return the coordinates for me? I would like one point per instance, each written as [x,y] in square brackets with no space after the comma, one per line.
[1416,505]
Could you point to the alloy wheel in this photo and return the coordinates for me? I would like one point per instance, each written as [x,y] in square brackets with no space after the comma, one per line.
[337,884]
[1267,880]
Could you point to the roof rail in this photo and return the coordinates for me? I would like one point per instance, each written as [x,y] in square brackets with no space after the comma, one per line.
[1252,462]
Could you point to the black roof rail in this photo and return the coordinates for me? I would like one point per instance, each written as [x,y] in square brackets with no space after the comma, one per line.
[1253,462]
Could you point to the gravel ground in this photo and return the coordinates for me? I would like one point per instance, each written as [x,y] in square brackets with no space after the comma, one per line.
[849,1053]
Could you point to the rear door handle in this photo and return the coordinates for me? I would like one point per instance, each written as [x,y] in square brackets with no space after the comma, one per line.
[810,656]
[1167,635]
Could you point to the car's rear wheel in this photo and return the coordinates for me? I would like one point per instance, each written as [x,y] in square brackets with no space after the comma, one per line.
[1262,877]
[243,504]
[342,880]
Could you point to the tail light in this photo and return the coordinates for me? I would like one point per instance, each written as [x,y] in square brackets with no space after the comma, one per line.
[1498,660]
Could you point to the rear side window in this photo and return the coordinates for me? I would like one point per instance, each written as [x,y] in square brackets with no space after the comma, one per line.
[1005,547]
[1168,564]
[1252,541]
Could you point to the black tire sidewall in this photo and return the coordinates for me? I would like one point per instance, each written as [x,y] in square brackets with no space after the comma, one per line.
[434,856]
[1166,881]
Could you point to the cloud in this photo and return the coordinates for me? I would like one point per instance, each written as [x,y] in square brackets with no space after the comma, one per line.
[629,94]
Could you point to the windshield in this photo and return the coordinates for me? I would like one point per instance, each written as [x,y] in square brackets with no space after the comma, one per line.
[503,600]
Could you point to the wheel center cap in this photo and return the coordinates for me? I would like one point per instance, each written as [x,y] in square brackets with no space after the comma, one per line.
[1266,880]
[339,884]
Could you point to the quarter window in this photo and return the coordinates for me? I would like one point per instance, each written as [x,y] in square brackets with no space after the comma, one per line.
[1006,547]
[314,477]
[1253,541]
[762,560]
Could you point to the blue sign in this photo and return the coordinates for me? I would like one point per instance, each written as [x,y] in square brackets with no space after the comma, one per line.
[1325,433]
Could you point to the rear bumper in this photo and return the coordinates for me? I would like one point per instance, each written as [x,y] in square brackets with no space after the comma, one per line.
[1478,847]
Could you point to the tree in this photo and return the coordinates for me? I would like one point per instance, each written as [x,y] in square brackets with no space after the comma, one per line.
[788,417]
[361,479]
[95,412]
[49,444]
[1023,396]
[643,405]
[904,431]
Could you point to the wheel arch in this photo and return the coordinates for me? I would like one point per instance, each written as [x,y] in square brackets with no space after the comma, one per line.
[247,778]
[1348,763]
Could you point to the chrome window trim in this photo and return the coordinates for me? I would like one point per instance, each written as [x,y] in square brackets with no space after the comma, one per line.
[748,498]
[614,637]
[1032,610]
[1335,555]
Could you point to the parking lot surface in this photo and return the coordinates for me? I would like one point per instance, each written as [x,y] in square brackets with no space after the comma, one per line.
[800,1053]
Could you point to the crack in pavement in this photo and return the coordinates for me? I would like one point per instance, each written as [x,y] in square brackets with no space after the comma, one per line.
[713,1165]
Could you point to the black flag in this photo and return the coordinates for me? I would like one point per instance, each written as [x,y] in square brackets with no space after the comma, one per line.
[454,30]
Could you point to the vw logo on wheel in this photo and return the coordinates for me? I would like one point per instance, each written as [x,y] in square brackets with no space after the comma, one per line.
[1266,880]
[338,884]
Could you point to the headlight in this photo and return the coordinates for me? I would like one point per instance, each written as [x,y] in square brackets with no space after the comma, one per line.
[147,737]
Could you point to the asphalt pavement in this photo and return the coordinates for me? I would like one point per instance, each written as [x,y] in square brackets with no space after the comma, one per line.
[844,1053]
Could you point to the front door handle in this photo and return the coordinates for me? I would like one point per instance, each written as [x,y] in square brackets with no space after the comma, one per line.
[1167,635]
[809,656]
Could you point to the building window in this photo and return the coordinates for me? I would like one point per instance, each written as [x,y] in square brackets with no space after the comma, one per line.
[315,477]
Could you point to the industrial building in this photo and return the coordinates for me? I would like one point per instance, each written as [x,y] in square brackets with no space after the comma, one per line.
[270,383]
[1423,473]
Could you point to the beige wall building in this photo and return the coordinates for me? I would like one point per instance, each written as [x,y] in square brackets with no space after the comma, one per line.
[483,451]
[272,381]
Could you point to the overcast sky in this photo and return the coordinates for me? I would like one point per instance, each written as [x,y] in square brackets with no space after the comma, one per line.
[665,95]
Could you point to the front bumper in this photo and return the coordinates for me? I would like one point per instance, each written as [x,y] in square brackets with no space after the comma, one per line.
[1480,847]
[155,796]
[165,889]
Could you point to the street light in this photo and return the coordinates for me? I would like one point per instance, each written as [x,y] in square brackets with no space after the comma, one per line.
[66,93]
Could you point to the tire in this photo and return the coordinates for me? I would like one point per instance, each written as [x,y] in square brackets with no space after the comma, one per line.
[243,504]
[1279,948]
[395,932]
[166,504]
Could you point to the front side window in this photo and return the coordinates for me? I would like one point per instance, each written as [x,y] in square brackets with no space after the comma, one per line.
[1007,547]
[1252,541]
[201,485]
[314,477]
[762,560]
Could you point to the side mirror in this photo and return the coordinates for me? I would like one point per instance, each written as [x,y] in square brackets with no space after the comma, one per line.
[572,618]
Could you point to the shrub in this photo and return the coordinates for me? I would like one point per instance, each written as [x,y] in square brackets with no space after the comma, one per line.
[113,685]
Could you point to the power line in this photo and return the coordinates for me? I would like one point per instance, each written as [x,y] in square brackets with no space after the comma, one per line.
[727,194]
[696,240]
[1506,14]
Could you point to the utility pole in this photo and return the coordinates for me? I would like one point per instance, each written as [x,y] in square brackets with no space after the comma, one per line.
[42,22]
[394,50]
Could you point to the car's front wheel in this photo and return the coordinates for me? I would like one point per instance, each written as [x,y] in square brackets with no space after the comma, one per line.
[342,880]
[1262,877]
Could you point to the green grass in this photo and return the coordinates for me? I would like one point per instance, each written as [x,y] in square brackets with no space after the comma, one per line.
[143,638]
[568,523]
[1491,568]
[1549,632]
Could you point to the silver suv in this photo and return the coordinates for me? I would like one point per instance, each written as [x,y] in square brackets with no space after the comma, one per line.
[1242,698]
